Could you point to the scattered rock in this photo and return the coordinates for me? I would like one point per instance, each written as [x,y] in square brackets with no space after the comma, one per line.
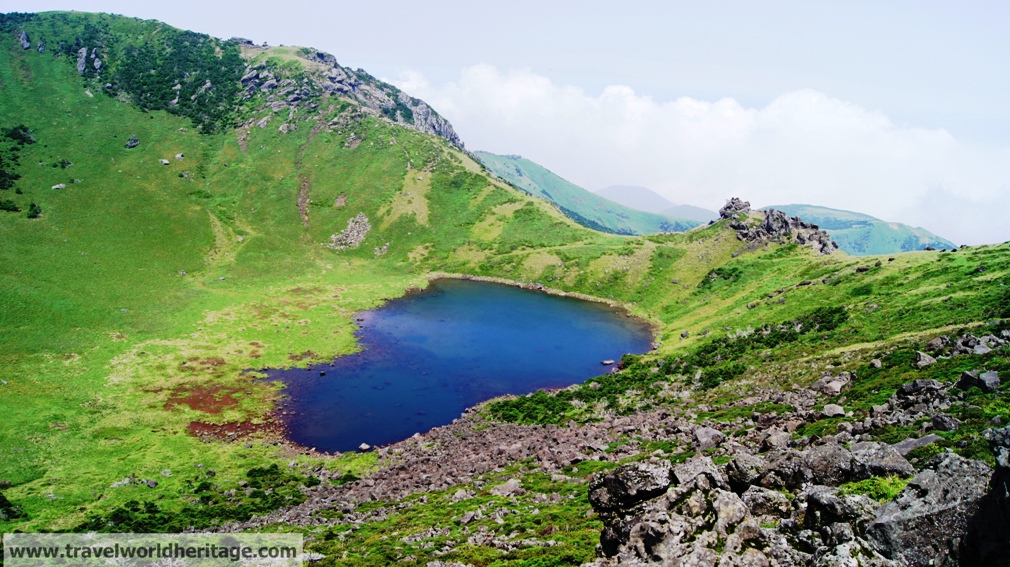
[903,447]
[60,186]
[364,448]
[511,488]
[164,162]
[132,142]
[878,459]
[352,236]
[923,360]
[707,438]
[833,410]
[945,422]
[829,464]
[765,502]
[988,381]
[25,42]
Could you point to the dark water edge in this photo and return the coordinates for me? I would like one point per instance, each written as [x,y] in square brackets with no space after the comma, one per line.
[428,356]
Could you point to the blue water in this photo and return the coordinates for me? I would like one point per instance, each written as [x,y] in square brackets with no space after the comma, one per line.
[430,355]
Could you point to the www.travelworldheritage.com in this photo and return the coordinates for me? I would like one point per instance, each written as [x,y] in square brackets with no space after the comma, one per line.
[168,551]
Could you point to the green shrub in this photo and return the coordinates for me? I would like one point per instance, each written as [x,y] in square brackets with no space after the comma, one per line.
[879,488]
[10,206]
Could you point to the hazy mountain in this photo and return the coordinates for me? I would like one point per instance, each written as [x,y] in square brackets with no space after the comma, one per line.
[860,234]
[637,197]
[645,199]
[583,206]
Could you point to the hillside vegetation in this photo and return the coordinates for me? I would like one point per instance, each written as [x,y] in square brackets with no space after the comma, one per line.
[140,283]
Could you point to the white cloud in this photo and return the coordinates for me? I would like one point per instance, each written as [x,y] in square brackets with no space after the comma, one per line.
[803,147]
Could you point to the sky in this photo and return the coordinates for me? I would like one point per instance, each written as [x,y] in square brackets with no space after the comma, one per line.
[895,109]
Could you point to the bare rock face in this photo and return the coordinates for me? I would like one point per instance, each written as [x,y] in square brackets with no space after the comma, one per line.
[352,236]
[926,523]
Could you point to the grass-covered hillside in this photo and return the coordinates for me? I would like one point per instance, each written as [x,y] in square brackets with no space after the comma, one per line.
[583,206]
[863,235]
[153,253]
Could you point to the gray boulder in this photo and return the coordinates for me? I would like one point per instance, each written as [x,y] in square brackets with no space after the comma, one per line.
[878,459]
[903,447]
[511,488]
[986,381]
[923,360]
[945,422]
[629,484]
[132,142]
[82,60]
[833,410]
[925,524]
[707,438]
[829,464]
[25,42]
[744,470]
[764,502]
[42,46]
[685,473]
[825,507]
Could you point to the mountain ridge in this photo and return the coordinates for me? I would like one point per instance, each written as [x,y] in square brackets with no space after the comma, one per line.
[862,234]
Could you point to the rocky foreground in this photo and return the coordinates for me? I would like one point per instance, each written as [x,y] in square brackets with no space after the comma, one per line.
[751,492]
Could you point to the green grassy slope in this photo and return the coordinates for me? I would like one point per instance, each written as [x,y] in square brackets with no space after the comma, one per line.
[860,234]
[144,284]
[585,207]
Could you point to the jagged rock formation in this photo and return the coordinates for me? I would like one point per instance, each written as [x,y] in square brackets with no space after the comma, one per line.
[352,236]
[25,42]
[329,77]
[774,226]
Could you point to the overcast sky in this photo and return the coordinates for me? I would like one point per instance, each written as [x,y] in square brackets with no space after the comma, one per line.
[900,109]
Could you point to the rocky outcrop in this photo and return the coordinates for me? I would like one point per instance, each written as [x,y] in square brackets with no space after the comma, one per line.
[41,46]
[988,538]
[25,42]
[759,227]
[352,236]
[82,60]
[926,523]
[696,520]
[132,142]
[327,77]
